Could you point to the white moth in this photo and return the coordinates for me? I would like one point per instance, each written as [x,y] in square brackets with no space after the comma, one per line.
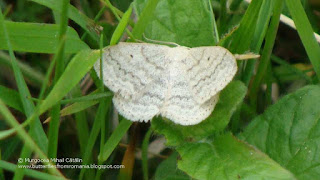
[179,83]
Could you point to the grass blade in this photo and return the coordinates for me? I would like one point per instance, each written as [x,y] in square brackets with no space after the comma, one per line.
[39,38]
[75,70]
[145,145]
[25,137]
[11,98]
[28,106]
[259,35]
[101,113]
[77,107]
[114,139]
[305,32]
[29,172]
[144,19]
[59,58]
[121,27]
[267,50]
[33,76]
[82,20]
[291,68]
[245,32]
[81,121]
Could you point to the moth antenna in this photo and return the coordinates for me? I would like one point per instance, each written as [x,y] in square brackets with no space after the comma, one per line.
[136,40]
[246,56]
[160,42]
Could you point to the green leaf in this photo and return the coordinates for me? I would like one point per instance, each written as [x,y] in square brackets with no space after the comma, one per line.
[306,33]
[228,158]
[229,99]
[261,28]
[81,121]
[11,98]
[90,97]
[242,38]
[59,60]
[144,154]
[77,107]
[28,141]
[82,20]
[36,129]
[96,129]
[262,24]
[121,27]
[114,139]
[29,172]
[33,76]
[188,23]
[145,18]
[287,72]
[168,170]
[74,72]
[289,132]
[39,38]
[266,52]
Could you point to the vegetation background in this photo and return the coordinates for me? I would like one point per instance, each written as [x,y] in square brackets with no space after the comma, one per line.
[265,126]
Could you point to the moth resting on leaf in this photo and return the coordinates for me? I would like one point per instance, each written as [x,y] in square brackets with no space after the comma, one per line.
[179,83]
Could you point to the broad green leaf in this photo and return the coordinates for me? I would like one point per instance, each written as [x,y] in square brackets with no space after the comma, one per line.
[228,158]
[74,14]
[188,23]
[229,99]
[39,38]
[11,98]
[73,73]
[306,33]
[289,132]
[168,170]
